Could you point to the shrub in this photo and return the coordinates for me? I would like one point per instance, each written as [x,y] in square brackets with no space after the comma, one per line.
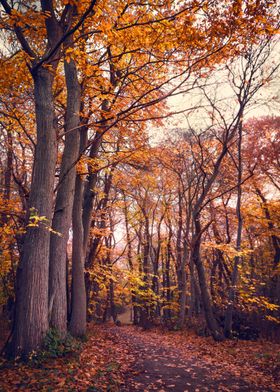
[55,346]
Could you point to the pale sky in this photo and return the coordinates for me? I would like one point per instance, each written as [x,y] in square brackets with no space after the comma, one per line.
[265,102]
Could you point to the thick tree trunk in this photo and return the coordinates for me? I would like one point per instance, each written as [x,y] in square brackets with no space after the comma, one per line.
[64,203]
[31,322]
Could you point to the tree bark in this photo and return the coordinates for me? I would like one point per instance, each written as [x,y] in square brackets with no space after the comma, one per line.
[89,192]
[275,240]
[31,320]
[234,275]
[79,303]
[129,252]
[167,279]
[64,203]
[183,287]
[205,296]
[145,307]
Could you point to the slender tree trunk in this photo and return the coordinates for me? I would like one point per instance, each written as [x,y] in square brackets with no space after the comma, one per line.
[275,240]
[205,296]
[234,275]
[112,301]
[79,300]
[183,252]
[144,310]
[155,280]
[68,288]
[167,310]
[181,273]
[89,192]
[9,168]
[194,308]
[31,322]
[183,287]
[64,203]
[129,253]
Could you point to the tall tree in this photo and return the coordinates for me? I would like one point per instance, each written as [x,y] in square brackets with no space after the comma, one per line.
[31,322]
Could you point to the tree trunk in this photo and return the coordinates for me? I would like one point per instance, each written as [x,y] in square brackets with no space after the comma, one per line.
[275,240]
[129,258]
[79,302]
[31,322]
[89,192]
[234,275]
[205,296]
[167,280]
[9,168]
[113,309]
[194,306]
[64,203]
[68,288]
[183,287]
[181,269]
[145,307]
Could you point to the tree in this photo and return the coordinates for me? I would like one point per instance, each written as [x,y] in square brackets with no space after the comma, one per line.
[31,322]
[94,106]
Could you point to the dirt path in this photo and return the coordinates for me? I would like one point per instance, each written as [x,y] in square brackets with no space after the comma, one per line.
[160,367]
[127,359]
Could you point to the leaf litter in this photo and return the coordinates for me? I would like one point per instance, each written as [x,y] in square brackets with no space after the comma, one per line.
[128,359]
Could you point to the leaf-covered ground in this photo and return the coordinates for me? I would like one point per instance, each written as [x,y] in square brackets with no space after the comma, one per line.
[127,359]
[176,362]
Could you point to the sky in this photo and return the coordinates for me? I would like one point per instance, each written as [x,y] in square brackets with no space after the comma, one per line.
[219,87]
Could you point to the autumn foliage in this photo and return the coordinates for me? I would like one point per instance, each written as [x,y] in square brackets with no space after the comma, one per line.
[133,177]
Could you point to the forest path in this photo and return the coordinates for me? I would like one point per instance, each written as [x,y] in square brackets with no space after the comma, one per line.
[128,359]
[160,367]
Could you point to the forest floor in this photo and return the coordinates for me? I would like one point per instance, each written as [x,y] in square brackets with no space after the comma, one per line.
[127,359]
